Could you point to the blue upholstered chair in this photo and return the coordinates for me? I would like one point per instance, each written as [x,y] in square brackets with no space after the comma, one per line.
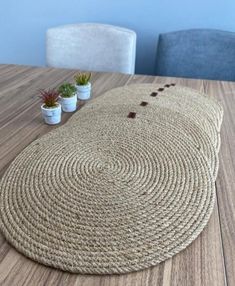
[94,47]
[206,54]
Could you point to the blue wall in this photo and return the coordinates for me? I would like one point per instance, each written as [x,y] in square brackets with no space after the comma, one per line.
[23,23]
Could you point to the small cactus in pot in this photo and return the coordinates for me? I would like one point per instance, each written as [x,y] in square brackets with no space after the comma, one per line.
[68,97]
[51,109]
[83,85]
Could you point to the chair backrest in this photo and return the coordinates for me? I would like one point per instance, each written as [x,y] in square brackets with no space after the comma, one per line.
[90,46]
[206,54]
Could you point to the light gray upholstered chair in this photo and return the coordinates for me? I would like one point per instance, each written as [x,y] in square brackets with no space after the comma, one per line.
[90,46]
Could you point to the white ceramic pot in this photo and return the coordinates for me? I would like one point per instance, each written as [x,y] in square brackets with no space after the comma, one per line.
[84,91]
[51,115]
[69,104]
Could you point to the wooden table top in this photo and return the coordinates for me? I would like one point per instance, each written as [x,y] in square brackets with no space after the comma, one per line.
[209,260]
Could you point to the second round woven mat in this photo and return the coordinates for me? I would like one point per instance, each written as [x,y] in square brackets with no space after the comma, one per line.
[108,194]
[205,112]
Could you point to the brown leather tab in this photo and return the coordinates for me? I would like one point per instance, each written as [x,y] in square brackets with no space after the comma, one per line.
[131,115]
[143,103]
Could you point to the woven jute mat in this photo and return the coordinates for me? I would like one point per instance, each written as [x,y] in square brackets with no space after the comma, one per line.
[206,112]
[125,184]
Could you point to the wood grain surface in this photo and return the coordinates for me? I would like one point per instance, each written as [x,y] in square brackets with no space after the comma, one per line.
[208,261]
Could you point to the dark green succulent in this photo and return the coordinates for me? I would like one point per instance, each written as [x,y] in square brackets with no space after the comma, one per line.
[67,90]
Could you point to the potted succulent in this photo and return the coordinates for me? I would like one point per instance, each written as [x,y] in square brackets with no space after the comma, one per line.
[51,109]
[83,85]
[68,97]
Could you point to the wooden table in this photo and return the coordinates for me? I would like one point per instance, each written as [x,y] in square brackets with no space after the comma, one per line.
[208,261]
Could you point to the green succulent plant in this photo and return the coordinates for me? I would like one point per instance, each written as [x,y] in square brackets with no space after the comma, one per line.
[82,78]
[67,90]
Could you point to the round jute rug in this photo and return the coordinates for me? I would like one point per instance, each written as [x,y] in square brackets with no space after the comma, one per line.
[180,97]
[206,112]
[109,194]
